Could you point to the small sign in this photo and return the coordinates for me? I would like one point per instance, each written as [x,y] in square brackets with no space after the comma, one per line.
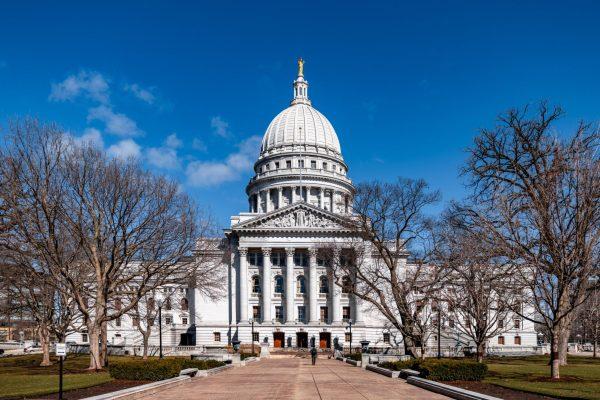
[61,349]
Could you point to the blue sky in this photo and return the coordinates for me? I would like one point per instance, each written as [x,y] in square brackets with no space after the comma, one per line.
[191,87]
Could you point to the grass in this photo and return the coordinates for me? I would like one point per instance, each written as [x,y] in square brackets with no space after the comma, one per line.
[579,380]
[22,376]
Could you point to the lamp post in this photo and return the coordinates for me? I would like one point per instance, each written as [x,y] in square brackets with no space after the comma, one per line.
[350,328]
[160,351]
[439,335]
[252,337]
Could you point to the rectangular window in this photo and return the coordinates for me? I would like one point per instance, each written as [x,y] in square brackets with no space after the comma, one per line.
[325,166]
[256,312]
[517,323]
[255,258]
[278,258]
[84,337]
[346,314]
[300,259]
[450,323]
[324,314]
[348,337]
[276,164]
[168,320]
[255,337]
[386,338]
[313,164]
[184,320]
[279,313]
[288,164]
[301,313]
[217,336]
[500,323]
[135,321]
[501,340]
[300,163]
[118,322]
[518,340]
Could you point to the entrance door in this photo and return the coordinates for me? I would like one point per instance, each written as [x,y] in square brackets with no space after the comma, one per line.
[278,339]
[325,340]
[302,339]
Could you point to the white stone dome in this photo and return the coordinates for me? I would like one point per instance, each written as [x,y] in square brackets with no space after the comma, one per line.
[300,125]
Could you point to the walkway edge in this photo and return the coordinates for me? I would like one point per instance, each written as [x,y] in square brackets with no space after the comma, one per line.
[447,390]
[155,387]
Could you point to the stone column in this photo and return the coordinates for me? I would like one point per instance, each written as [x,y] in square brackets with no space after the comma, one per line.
[332,203]
[321,198]
[336,293]
[290,293]
[243,282]
[266,285]
[358,314]
[312,286]
[279,197]
[293,194]
[268,200]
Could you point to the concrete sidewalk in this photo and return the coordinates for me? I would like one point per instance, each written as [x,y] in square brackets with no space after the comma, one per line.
[296,378]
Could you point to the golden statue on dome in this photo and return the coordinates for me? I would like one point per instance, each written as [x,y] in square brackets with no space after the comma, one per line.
[300,67]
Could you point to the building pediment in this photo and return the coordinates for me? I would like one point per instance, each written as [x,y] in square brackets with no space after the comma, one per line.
[295,217]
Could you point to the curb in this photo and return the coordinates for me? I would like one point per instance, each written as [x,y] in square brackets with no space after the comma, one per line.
[447,390]
[137,392]
[383,371]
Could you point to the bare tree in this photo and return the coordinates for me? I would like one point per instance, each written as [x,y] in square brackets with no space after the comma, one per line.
[99,223]
[52,310]
[479,284]
[537,197]
[587,325]
[387,222]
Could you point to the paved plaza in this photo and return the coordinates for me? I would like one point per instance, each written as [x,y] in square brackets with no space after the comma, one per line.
[296,378]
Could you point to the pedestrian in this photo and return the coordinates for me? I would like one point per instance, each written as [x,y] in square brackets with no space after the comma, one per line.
[313,355]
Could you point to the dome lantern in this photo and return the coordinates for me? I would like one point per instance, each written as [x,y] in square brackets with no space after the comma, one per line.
[300,86]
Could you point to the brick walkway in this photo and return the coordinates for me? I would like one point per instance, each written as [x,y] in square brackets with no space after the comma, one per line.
[295,378]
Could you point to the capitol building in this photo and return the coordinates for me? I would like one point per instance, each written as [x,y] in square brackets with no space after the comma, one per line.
[296,203]
[279,287]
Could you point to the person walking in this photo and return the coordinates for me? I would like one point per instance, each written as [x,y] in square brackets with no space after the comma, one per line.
[313,355]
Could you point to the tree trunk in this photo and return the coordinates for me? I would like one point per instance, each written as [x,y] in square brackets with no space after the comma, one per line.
[94,348]
[44,335]
[595,348]
[480,352]
[145,339]
[104,348]
[409,347]
[554,357]
[564,347]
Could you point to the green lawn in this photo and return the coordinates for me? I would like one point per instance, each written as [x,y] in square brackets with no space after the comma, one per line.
[22,376]
[579,380]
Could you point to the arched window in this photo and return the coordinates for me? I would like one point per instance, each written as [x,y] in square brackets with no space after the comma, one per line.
[346,284]
[301,284]
[256,284]
[279,284]
[184,304]
[323,284]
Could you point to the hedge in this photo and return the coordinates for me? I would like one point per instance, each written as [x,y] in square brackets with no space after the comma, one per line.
[442,370]
[156,369]
[353,356]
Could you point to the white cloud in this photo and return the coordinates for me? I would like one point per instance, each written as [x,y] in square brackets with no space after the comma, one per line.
[220,126]
[212,173]
[124,149]
[116,123]
[145,95]
[163,157]
[91,136]
[173,141]
[90,84]
[199,145]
